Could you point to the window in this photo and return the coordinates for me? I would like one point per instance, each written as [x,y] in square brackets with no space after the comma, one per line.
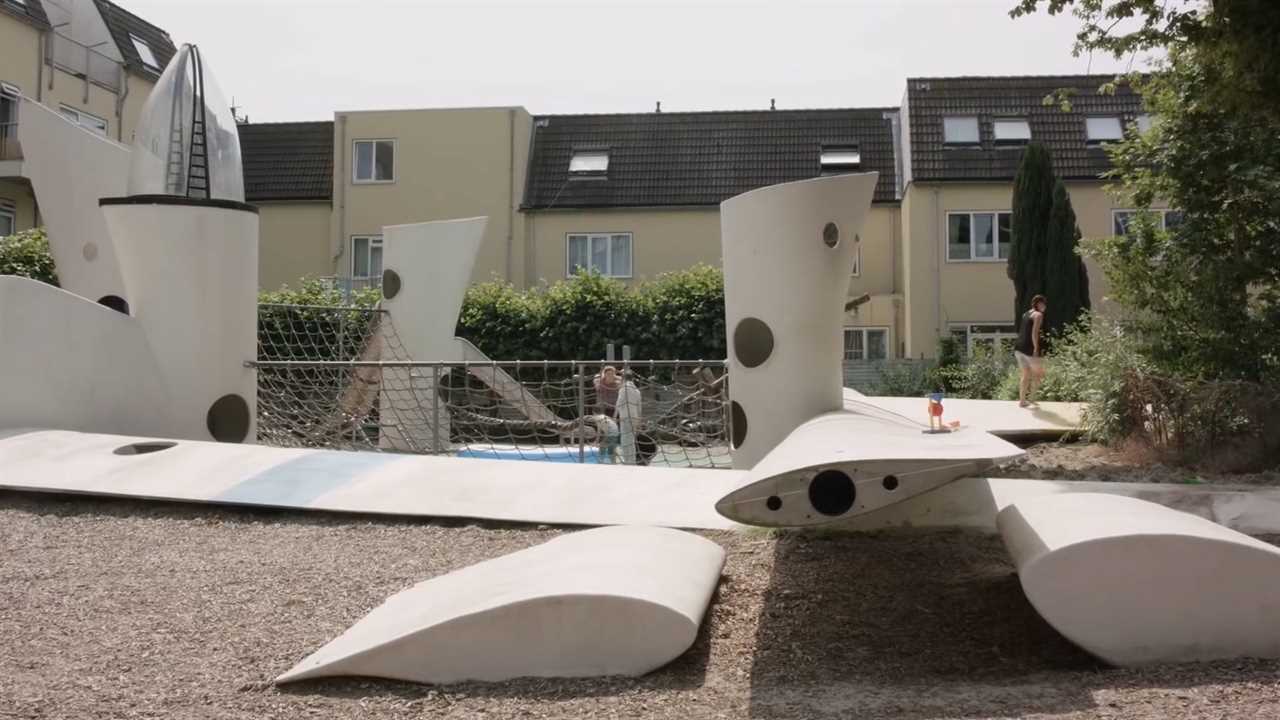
[8,221]
[997,338]
[144,52]
[840,158]
[980,236]
[84,119]
[375,161]
[866,343]
[1011,131]
[593,163]
[366,261]
[1165,219]
[1143,123]
[1103,129]
[608,254]
[960,130]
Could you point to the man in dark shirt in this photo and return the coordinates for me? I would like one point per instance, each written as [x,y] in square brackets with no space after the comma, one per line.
[1029,352]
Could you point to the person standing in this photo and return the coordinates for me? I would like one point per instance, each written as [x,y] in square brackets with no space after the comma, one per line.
[1029,351]
[629,410]
[607,384]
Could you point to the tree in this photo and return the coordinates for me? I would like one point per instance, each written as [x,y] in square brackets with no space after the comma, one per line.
[1066,280]
[26,254]
[1032,206]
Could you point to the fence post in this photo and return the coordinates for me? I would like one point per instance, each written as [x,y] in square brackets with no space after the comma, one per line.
[582,412]
[435,408]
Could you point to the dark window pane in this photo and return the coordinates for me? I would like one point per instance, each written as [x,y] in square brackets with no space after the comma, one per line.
[958,237]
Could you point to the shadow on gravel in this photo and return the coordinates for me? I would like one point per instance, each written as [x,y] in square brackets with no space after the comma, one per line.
[917,626]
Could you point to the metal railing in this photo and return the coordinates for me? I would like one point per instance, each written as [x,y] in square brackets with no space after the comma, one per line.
[348,286]
[84,62]
[10,148]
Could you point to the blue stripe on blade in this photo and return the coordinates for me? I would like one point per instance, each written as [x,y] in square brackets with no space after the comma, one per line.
[299,482]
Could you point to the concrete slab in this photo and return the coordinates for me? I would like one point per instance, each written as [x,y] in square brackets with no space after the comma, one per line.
[998,417]
[610,601]
[843,465]
[1136,583]
[378,483]
[973,503]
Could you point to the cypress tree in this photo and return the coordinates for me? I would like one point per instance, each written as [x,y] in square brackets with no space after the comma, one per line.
[1032,204]
[1066,280]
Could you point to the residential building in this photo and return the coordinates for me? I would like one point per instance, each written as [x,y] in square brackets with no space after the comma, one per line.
[634,195]
[91,60]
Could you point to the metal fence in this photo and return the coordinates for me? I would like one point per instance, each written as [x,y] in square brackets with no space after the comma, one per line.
[881,377]
[70,56]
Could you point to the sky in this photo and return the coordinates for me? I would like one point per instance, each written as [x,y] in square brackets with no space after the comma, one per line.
[284,60]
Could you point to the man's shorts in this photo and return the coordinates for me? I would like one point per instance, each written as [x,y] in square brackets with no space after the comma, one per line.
[1028,362]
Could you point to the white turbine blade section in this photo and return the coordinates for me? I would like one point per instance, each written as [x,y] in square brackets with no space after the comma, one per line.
[841,465]
[68,362]
[70,169]
[612,601]
[428,267]
[355,482]
[1134,583]
[788,251]
[998,417]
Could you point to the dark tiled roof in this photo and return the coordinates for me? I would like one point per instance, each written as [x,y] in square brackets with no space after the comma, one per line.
[287,161]
[702,158]
[31,11]
[1063,133]
[122,23]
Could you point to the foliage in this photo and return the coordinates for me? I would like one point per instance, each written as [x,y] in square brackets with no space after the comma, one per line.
[686,311]
[906,379]
[1237,37]
[678,315]
[1205,295]
[979,376]
[1066,281]
[1032,208]
[26,254]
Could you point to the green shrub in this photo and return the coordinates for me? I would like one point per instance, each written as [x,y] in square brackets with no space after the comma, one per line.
[26,254]
[979,376]
[907,379]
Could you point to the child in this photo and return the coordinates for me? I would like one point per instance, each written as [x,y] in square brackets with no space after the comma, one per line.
[610,439]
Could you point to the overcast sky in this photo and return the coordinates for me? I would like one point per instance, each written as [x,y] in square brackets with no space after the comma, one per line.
[304,59]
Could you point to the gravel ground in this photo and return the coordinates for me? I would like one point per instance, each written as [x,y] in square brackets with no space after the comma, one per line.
[1086,461]
[119,609]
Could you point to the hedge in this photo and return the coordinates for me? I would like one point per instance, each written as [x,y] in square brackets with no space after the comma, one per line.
[26,254]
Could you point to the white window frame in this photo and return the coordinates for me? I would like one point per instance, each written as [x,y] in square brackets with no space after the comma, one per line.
[368,280]
[11,215]
[996,337]
[1016,140]
[86,120]
[1162,212]
[585,164]
[592,237]
[395,160]
[977,126]
[864,330]
[143,48]
[1088,132]
[973,257]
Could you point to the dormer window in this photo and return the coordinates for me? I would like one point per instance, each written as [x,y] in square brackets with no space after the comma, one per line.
[1011,131]
[589,164]
[144,52]
[840,158]
[1103,129]
[961,130]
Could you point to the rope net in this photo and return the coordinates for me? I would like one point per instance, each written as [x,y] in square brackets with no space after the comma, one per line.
[340,378]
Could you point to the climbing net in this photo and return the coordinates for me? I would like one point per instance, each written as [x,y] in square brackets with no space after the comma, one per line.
[340,378]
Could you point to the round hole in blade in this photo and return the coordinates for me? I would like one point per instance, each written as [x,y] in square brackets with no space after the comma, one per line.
[890,482]
[832,492]
[774,503]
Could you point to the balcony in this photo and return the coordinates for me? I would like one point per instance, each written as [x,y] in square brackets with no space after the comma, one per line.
[83,62]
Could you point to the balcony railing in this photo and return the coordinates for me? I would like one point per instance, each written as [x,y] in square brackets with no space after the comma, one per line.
[10,148]
[84,62]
